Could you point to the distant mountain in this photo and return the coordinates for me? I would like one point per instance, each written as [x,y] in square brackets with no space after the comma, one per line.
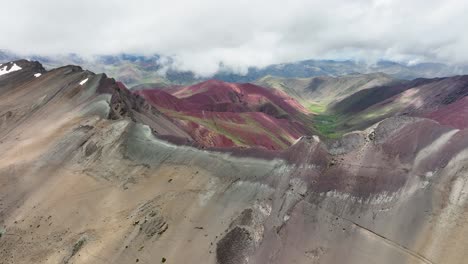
[133,69]
[312,68]
[324,90]
[6,56]
[129,69]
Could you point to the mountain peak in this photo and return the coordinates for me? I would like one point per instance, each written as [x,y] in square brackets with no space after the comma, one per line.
[21,68]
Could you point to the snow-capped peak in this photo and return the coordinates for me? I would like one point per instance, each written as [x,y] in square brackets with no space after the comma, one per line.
[12,69]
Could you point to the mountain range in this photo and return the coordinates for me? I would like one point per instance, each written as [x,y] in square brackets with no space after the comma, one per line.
[155,70]
[355,168]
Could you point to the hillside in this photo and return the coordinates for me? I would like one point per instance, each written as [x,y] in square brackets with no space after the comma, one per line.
[92,172]
[325,90]
[442,99]
[219,114]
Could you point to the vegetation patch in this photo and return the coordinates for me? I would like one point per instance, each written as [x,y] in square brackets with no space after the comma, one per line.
[328,125]
[316,107]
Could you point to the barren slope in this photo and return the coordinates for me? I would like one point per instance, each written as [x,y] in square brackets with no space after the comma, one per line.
[84,179]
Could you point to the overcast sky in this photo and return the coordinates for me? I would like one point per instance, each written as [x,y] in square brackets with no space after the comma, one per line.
[240,33]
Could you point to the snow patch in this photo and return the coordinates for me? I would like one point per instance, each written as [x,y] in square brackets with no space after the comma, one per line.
[12,69]
[83,81]
[37,75]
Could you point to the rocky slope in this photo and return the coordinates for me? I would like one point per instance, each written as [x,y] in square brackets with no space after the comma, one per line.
[86,176]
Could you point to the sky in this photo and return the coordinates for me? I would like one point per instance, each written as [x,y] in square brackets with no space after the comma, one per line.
[202,34]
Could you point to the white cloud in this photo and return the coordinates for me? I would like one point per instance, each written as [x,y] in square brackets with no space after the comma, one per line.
[204,33]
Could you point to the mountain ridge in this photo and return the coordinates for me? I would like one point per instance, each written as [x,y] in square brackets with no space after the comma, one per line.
[134,69]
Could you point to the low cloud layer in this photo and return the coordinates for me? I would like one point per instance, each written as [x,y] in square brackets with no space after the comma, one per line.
[203,34]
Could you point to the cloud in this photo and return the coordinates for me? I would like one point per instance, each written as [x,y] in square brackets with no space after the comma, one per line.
[202,35]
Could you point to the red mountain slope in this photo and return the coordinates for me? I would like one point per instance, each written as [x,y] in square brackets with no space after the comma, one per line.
[454,114]
[220,114]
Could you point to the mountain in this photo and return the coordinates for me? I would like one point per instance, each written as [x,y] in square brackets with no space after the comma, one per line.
[220,114]
[355,102]
[6,56]
[314,68]
[441,99]
[155,70]
[324,90]
[92,172]
[129,69]
[320,94]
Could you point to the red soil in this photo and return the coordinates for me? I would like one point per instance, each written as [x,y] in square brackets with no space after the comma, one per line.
[246,96]
[217,114]
[454,114]
[209,138]
[163,99]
